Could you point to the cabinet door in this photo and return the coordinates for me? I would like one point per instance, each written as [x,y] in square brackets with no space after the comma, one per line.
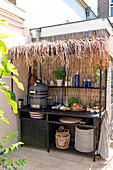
[33,132]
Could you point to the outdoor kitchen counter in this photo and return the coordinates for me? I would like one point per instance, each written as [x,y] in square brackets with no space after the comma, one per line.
[85,114]
[41,129]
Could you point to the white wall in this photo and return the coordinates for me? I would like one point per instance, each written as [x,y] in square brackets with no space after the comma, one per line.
[41,13]
[14,16]
[12,8]
[16,35]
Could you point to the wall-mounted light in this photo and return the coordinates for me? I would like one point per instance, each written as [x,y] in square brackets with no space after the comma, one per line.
[88,11]
[94,33]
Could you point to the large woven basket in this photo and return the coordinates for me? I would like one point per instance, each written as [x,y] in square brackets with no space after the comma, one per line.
[62,139]
[84,139]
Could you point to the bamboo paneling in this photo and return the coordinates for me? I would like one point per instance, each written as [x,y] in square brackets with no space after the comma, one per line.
[86,71]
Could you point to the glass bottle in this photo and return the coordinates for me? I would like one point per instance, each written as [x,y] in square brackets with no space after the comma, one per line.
[66,82]
[69,81]
[84,83]
[45,80]
[56,101]
[77,80]
[66,101]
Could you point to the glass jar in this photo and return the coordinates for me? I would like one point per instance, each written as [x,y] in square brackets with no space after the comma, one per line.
[88,83]
[20,103]
[66,101]
[51,83]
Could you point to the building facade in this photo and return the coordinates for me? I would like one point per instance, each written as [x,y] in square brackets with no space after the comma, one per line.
[105,8]
[15,17]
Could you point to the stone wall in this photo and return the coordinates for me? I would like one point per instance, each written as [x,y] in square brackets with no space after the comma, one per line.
[103,8]
[102,33]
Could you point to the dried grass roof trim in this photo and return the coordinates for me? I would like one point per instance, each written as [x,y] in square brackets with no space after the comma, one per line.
[97,49]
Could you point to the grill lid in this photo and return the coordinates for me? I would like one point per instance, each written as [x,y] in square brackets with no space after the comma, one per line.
[38,86]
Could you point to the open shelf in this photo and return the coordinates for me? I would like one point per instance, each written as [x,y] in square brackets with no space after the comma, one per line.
[103,88]
[72,124]
[72,149]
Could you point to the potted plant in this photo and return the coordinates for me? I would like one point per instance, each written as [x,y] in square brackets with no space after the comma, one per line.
[58,74]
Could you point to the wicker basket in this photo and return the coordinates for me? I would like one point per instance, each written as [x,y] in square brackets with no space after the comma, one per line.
[62,139]
[84,139]
[78,108]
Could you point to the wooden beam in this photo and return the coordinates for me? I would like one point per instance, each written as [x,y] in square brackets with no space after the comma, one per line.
[11,14]
[15,25]
[11,18]
[82,3]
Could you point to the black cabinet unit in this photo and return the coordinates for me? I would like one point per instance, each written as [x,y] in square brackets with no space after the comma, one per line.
[41,132]
[33,132]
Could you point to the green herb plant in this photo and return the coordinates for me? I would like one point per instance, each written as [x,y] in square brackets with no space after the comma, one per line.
[6,68]
[97,74]
[72,100]
[58,74]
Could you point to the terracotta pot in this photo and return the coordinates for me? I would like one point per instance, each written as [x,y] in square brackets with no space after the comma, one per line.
[32,80]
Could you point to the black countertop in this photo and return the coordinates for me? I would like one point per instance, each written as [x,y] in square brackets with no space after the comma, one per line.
[48,110]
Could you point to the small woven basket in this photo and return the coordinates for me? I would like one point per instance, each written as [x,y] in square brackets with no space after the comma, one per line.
[78,108]
[62,139]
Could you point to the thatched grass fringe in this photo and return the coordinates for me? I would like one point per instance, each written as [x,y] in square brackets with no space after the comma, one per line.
[96,49]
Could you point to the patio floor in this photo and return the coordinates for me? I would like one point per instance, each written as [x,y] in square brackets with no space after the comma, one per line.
[37,159]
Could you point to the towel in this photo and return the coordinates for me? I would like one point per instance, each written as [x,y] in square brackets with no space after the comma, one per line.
[103,148]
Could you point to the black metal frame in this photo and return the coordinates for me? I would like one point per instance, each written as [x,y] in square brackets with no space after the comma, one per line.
[94,119]
[11,80]
[50,113]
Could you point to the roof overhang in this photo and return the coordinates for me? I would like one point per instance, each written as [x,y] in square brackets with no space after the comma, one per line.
[81,26]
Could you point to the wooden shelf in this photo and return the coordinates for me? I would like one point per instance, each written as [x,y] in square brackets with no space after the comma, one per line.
[103,88]
[72,149]
[72,124]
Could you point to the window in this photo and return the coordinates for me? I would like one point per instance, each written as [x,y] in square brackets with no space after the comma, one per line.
[111,8]
[111,11]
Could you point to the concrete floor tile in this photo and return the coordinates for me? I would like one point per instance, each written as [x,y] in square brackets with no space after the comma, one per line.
[111,164]
[38,159]
[47,167]
[66,165]
[87,160]
[38,150]
[103,168]
[29,166]
[46,159]
[21,153]
[67,156]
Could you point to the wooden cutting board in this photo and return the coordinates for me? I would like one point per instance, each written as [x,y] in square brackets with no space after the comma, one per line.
[37,117]
[70,119]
